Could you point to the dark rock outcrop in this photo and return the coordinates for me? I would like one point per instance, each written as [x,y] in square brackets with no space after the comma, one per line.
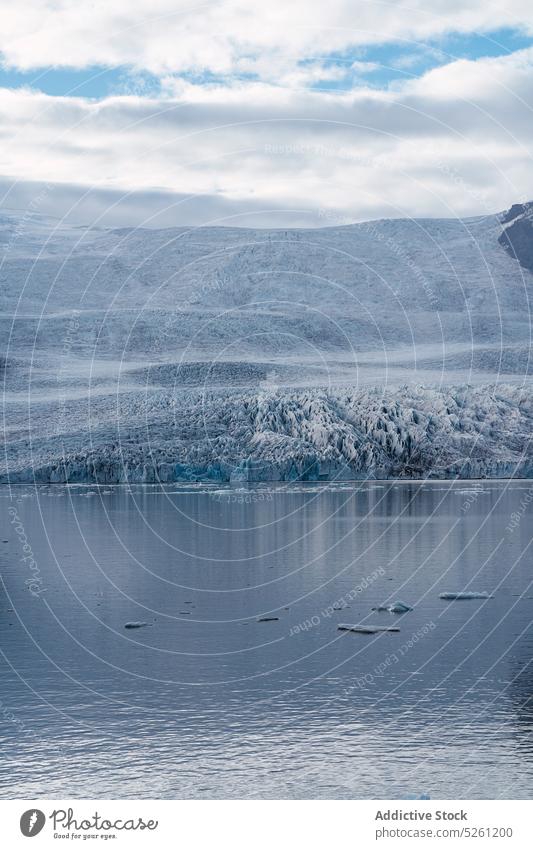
[517,238]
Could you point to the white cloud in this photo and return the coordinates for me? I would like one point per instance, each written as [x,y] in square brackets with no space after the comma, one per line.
[454,141]
[173,36]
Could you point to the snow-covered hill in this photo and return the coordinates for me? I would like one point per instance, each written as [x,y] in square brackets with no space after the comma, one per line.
[301,349]
[371,286]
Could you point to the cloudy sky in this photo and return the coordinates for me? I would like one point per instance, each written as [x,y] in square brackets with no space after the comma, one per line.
[278,114]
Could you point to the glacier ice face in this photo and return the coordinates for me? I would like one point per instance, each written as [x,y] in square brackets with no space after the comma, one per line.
[412,432]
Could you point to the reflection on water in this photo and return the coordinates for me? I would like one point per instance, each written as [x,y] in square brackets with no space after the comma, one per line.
[207,701]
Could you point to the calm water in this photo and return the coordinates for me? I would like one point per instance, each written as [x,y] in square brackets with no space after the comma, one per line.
[209,702]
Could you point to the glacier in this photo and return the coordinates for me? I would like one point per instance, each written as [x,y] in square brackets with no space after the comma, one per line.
[387,349]
[410,432]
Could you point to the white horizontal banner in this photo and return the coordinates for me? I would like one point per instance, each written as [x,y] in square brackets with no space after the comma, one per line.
[267,824]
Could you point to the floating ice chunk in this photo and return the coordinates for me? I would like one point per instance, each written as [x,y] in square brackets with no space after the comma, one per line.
[464,596]
[396,607]
[366,629]
[400,607]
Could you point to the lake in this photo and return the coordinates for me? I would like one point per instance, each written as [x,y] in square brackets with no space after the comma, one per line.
[206,700]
